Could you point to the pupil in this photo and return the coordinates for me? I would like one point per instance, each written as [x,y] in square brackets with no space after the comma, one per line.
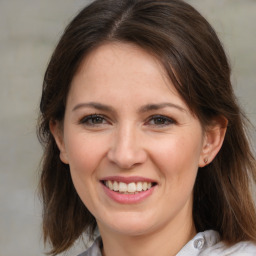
[159,121]
[97,120]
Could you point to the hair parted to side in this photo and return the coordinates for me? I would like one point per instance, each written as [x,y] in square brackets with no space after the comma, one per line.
[190,51]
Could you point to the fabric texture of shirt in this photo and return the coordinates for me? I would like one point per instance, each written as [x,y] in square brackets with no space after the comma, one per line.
[203,244]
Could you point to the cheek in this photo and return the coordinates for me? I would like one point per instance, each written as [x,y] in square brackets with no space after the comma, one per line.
[177,162]
[178,155]
[84,153]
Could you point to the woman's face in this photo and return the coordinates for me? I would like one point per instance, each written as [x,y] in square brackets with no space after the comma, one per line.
[132,144]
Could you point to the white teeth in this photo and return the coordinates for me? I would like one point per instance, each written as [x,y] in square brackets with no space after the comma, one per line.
[128,188]
[131,187]
[139,186]
[144,186]
[109,184]
[115,186]
[122,187]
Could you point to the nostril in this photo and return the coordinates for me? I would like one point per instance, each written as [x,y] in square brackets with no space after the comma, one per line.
[126,154]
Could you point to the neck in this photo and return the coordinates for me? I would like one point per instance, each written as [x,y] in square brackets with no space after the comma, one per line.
[167,241]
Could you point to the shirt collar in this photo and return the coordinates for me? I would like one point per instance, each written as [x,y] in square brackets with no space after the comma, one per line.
[194,247]
[199,243]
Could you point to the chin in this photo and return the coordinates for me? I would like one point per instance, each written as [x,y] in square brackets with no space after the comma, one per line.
[132,230]
[130,224]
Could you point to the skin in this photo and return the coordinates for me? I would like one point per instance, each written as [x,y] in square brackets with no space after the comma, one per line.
[128,138]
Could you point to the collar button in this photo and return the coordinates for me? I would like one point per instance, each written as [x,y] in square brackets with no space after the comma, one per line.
[199,243]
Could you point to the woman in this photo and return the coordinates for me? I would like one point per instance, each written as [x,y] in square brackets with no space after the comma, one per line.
[143,136]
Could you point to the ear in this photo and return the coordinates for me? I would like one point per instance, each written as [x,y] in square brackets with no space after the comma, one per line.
[57,132]
[213,140]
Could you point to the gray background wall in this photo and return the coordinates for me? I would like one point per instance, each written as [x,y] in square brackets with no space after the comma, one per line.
[29,30]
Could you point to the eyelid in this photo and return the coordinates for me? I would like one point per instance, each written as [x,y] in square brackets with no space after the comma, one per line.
[84,120]
[87,120]
[166,118]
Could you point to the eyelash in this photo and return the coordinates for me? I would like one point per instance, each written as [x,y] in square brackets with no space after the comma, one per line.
[97,119]
[164,120]
[90,120]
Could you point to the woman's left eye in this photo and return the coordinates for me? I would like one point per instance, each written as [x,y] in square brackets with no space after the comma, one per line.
[159,120]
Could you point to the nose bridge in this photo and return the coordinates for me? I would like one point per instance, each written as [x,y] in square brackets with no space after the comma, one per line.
[127,150]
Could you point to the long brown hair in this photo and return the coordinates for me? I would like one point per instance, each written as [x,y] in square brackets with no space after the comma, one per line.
[189,49]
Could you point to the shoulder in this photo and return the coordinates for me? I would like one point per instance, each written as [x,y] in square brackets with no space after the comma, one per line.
[239,249]
[203,244]
[94,250]
[208,243]
[219,248]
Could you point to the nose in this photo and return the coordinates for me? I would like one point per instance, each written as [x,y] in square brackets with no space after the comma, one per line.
[127,149]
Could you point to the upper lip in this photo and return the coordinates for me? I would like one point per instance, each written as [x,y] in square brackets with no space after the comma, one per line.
[127,180]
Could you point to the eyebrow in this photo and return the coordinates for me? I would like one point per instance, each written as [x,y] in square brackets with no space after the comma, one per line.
[143,109]
[150,107]
[95,105]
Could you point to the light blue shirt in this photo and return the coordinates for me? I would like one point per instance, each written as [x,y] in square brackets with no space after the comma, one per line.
[203,244]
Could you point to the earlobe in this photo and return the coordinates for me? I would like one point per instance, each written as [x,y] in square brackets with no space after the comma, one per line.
[57,132]
[213,140]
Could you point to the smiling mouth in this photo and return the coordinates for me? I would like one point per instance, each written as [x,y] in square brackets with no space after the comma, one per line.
[128,188]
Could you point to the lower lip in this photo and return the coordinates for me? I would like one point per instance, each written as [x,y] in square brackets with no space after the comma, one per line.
[128,198]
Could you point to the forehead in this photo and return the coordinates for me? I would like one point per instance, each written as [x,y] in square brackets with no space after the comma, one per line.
[123,63]
[113,53]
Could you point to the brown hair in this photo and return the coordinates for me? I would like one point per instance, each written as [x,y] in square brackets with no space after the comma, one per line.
[196,63]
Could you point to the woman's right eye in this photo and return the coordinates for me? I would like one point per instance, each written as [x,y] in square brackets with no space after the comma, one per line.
[93,120]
